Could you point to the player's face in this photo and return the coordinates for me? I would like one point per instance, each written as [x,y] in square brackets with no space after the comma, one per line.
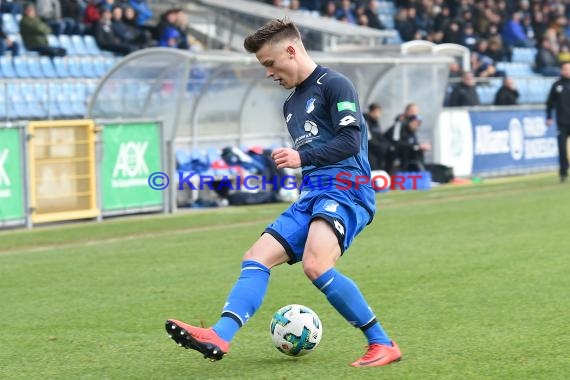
[565,70]
[279,64]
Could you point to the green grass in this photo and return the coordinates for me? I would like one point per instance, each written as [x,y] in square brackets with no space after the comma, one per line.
[471,281]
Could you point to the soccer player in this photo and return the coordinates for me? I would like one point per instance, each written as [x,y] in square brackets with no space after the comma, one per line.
[330,137]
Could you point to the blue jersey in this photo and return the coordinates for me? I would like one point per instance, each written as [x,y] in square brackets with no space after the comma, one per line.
[314,112]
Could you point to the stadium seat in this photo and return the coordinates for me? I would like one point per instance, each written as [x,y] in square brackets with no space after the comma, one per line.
[21,67]
[61,67]
[3,103]
[9,24]
[53,41]
[78,45]
[34,108]
[47,67]
[99,66]
[16,104]
[91,45]
[65,42]
[34,67]
[87,67]
[74,67]
[7,67]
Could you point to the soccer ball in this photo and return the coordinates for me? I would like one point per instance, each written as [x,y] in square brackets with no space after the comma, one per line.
[296,330]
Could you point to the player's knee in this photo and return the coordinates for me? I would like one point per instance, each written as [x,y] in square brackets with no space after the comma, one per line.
[251,254]
[313,268]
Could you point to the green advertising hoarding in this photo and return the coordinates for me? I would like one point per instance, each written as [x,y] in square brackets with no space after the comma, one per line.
[131,153]
[11,182]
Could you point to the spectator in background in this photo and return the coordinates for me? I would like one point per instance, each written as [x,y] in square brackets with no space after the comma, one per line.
[346,13]
[371,12]
[168,33]
[406,24]
[564,54]
[559,101]
[143,11]
[329,10]
[7,44]
[482,66]
[513,32]
[34,34]
[91,16]
[127,34]
[50,12]
[73,10]
[378,146]
[468,36]
[463,93]
[546,60]
[106,38]
[507,95]
[405,147]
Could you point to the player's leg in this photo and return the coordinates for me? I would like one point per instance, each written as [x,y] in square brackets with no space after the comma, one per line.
[243,301]
[327,234]
[249,290]
[563,151]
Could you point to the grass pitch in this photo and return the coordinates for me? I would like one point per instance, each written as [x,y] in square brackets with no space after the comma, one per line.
[471,281]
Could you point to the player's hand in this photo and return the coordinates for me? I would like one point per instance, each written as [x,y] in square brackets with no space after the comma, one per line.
[286,158]
[549,122]
[425,146]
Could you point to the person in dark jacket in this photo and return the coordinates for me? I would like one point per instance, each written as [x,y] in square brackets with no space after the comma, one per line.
[405,147]
[559,101]
[464,94]
[378,145]
[508,94]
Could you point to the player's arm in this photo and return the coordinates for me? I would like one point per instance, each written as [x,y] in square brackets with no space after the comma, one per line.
[345,114]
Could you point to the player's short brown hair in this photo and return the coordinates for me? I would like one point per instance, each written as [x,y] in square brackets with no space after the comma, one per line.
[274,31]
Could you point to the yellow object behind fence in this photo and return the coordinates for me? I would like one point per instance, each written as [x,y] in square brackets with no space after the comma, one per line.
[62,170]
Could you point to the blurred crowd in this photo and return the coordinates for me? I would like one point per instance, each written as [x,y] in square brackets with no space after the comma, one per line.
[119,26]
[489,28]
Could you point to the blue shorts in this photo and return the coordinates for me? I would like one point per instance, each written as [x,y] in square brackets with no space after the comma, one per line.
[337,207]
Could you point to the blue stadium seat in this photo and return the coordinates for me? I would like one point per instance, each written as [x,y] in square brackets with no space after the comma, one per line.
[54,88]
[88,68]
[9,24]
[65,42]
[21,67]
[99,66]
[34,67]
[47,67]
[53,41]
[7,67]
[34,108]
[91,45]
[74,67]
[16,104]
[78,45]
[110,62]
[61,67]
[3,103]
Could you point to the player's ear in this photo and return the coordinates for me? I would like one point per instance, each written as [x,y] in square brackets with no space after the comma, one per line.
[291,51]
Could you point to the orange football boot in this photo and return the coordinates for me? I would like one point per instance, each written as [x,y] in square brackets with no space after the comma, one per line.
[206,341]
[379,354]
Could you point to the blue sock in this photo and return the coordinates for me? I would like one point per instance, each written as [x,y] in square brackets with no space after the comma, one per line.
[244,299]
[347,299]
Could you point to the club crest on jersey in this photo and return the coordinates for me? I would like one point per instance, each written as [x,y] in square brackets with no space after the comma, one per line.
[310,105]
